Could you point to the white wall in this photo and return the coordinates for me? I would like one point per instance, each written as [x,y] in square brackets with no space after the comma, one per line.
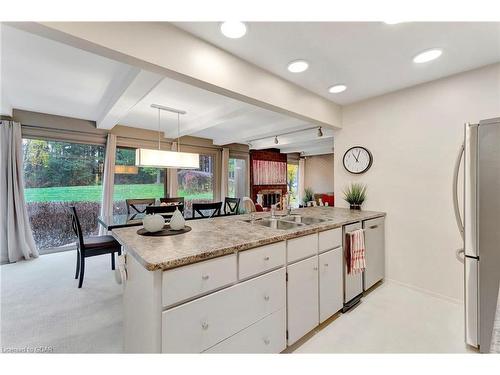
[414,135]
[318,174]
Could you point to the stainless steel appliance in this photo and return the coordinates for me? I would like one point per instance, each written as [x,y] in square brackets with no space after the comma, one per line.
[353,283]
[480,227]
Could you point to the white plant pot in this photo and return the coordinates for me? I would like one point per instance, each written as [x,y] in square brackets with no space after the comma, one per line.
[177,222]
[153,223]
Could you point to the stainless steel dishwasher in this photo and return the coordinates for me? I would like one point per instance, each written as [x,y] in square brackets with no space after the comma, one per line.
[375,251]
[353,283]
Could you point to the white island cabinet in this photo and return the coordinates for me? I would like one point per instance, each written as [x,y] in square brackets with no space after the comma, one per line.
[234,299]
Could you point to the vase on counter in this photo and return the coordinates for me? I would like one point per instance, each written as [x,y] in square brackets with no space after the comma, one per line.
[177,222]
[153,223]
[355,207]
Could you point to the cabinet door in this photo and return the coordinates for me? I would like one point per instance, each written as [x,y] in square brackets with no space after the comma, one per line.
[330,283]
[375,251]
[303,304]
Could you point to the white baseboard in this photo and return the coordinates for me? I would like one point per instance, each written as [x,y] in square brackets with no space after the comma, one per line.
[427,291]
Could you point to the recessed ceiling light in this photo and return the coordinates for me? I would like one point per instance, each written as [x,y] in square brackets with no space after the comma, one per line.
[233,29]
[392,22]
[337,88]
[298,66]
[427,56]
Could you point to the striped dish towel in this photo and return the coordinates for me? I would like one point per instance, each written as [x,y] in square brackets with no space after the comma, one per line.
[355,253]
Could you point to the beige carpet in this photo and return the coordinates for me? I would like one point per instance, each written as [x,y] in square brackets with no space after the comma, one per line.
[42,308]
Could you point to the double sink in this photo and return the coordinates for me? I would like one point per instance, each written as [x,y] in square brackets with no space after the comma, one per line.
[286,222]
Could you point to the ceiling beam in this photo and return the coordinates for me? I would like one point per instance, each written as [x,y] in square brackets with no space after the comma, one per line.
[321,146]
[165,49]
[124,93]
[216,117]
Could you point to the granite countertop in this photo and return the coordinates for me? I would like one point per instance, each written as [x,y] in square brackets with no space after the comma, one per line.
[210,238]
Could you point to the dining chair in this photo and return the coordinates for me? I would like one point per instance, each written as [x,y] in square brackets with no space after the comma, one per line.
[178,200]
[91,246]
[133,203]
[200,208]
[231,206]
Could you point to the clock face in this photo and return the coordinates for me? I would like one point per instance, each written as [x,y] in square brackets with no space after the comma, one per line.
[357,160]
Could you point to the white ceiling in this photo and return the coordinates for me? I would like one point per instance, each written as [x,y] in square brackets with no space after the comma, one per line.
[45,76]
[42,75]
[371,58]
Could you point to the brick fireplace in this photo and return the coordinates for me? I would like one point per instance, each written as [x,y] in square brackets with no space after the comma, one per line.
[268,176]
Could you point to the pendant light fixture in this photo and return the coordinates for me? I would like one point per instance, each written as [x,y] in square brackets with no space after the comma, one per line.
[145,157]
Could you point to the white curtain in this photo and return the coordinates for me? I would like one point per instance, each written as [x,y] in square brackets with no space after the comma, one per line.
[108,180]
[302,174]
[224,188]
[16,237]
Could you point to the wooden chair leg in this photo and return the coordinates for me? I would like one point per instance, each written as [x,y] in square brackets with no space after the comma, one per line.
[77,264]
[82,271]
[112,261]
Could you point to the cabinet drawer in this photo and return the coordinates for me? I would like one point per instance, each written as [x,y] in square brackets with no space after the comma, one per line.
[262,259]
[202,323]
[266,336]
[302,247]
[180,284]
[330,239]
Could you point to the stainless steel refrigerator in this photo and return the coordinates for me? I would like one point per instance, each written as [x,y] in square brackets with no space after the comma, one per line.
[480,228]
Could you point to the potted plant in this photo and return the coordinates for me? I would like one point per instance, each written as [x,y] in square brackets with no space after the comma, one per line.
[355,195]
[308,196]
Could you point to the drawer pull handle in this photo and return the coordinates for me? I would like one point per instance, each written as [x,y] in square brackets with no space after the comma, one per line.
[205,277]
[373,227]
[267,341]
[315,268]
[266,298]
[326,264]
[204,325]
[266,258]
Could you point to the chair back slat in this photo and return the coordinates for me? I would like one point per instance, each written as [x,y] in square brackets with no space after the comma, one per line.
[212,208]
[231,206]
[75,223]
[133,203]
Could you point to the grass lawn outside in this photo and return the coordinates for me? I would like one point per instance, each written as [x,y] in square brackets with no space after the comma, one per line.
[94,193]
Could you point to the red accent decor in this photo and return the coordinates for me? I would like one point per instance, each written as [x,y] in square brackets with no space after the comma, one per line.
[258,208]
[328,198]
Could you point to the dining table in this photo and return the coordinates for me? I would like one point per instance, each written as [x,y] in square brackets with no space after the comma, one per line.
[125,220]
[120,220]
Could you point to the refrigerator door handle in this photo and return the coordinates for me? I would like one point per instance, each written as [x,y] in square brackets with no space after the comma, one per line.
[456,172]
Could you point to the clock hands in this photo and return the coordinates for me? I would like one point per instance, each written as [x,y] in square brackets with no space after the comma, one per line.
[357,158]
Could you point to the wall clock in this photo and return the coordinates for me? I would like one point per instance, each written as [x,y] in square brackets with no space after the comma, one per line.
[357,160]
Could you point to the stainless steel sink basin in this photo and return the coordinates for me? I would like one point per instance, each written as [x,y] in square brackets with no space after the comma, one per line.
[277,224]
[303,219]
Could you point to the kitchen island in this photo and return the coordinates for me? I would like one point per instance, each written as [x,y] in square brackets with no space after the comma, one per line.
[236,285]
